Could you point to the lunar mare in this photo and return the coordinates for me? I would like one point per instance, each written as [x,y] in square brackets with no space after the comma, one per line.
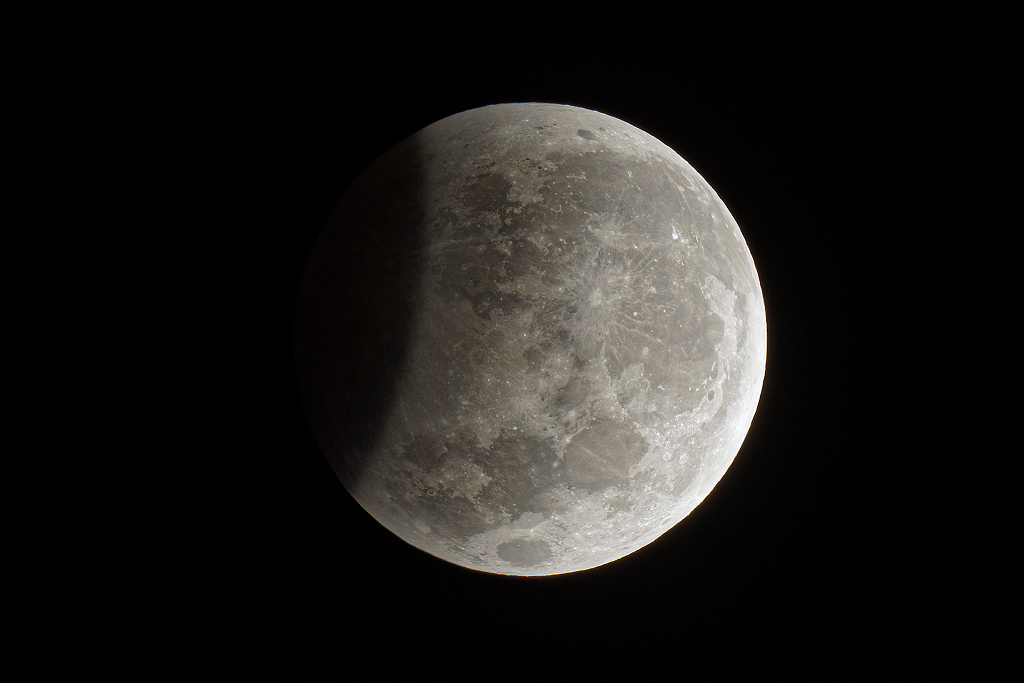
[531,339]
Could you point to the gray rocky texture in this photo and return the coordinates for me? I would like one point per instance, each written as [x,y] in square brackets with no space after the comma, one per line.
[531,339]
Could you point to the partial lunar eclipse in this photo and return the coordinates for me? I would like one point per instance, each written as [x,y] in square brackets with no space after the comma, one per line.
[530,339]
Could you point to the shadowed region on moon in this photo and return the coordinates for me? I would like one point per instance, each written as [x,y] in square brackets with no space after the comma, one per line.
[530,339]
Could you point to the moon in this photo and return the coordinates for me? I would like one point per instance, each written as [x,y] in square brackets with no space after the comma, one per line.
[530,339]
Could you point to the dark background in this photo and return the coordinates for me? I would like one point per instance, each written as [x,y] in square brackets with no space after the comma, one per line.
[815,557]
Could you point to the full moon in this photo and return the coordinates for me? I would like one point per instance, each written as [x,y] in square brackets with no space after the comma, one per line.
[530,339]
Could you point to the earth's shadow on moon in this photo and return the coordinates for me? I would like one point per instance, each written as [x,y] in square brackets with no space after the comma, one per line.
[356,305]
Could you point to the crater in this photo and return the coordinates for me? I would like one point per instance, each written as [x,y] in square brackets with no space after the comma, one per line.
[524,552]
[601,455]
[586,134]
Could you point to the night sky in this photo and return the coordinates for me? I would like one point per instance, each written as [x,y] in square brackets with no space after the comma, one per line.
[814,556]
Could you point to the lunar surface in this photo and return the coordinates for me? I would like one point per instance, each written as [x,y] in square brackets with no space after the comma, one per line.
[530,339]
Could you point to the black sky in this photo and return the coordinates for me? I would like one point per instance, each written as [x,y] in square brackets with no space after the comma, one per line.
[815,555]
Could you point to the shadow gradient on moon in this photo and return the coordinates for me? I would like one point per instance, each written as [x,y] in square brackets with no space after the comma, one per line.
[356,308]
